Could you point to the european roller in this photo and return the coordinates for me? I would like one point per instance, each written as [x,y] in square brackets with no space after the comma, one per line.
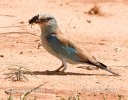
[64,49]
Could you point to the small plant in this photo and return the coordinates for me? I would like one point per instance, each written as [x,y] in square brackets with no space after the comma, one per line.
[120,97]
[17,73]
[24,95]
[10,96]
[104,98]
[95,10]
[75,97]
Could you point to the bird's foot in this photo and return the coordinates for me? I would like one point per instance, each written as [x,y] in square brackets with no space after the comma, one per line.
[61,73]
[55,72]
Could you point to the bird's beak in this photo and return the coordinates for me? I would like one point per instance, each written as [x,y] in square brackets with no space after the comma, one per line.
[35,19]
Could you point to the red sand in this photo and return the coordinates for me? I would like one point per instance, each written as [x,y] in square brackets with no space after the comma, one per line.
[106,37]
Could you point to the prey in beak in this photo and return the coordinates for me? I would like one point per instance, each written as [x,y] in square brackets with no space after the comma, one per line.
[39,19]
[35,19]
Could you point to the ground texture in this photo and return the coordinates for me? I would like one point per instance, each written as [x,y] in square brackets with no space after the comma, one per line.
[105,35]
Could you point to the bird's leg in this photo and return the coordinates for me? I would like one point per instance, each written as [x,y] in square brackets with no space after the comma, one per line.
[64,67]
[58,70]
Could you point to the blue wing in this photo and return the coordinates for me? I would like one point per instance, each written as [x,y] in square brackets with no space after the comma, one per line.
[65,51]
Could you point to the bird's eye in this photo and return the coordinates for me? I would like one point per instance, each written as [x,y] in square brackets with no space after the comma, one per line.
[49,18]
[43,20]
[46,19]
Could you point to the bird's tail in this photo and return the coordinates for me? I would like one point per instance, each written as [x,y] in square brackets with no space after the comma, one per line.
[104,67]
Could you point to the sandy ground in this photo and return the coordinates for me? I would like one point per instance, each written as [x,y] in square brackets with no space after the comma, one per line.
[106,37]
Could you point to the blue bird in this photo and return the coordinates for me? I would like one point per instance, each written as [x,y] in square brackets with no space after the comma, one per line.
[56,44]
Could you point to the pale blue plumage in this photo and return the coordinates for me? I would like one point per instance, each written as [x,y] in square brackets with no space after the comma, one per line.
[66,52]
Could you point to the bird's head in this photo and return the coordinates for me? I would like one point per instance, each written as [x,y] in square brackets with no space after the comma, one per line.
[44,21]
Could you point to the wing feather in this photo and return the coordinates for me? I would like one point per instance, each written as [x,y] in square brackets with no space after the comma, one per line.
[64,47]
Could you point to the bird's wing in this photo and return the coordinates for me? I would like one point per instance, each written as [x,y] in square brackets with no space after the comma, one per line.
[67,49]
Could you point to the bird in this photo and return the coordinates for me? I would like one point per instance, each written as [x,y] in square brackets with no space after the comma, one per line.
[54,41]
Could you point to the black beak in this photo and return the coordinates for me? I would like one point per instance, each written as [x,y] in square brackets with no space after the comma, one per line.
[34,19]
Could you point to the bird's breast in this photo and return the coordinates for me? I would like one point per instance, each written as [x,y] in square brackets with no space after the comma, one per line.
[47,47]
